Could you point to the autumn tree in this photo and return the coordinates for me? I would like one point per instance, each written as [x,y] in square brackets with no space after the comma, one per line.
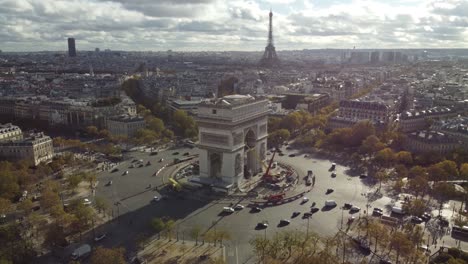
[108,256]
[385,157]
[400,242]
[195,233]
[74,180]
[5,206]
[184,124]
[417,171]
[464,171]
[415,207]
[278,137]
[49,198]
[370,145]
[405,158]
[419,185]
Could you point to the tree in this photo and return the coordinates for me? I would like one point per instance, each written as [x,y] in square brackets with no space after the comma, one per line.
[26,206]
[54,236]
[402,245]
[401,171]
[371,144]
[442,191]
[101,204]
[418,185]
[157,224]
[278,137]
[108,256]
[74,180]
[145,136]
[404,157]
[5,206]
[15,248]
[49,198]
[92,130]
[223,235]
[9,187]
[360,131]
[464,171]
[184,124]
[156,124]
[385,157]
[195,233]
[417,171]
[415,207]
[291,122]
[379,233]
[381,176]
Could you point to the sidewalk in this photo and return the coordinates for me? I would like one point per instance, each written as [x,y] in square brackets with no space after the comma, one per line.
[172,251]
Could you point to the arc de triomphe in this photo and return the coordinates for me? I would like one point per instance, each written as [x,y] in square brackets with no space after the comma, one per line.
[232,140]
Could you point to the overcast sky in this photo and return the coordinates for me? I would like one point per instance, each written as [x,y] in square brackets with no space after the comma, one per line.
[195,25]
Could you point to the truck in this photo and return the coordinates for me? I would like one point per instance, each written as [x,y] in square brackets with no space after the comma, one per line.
[81,252]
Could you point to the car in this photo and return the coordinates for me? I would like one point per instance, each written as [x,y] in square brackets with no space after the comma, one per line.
[228,210]
[131,166]
[161,160]
[125,173]
[333,175]
[141,165]
[347,206]
[284,222]
[281,154]
[385,261]
[329,191]
[262,225]
[256,209]
[363,176]
[154,153]
[306,156]
[175,153]
[148,163]
[295,214]
[239,207]
[416,220]
[333,166]
[377,212]
[109,183]
[186,154]
[100,237]
[292,155]
[140,161]
[425,249]
[115,169]
[314,210]
[86,201]
[426,217]
[306,215]
[330,203]
[134,160]
[288,148]
[355,209]
[156,198]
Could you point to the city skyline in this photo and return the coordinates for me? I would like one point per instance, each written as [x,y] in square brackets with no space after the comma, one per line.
[214,25]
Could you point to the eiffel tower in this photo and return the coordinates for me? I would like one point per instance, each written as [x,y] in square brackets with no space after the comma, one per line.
[269,56]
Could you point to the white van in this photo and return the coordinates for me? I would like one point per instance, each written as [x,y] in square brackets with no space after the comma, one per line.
[228,210]
[330,203]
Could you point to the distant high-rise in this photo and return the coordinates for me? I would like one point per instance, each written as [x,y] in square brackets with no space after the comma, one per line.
[269,56]
[71,47]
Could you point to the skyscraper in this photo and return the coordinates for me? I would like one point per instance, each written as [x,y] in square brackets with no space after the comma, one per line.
[269,56]
[71,47]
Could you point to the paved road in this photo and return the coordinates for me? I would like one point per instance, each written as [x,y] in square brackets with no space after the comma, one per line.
[136,208]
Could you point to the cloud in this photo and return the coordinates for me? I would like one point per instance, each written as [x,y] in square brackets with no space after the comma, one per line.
[234,24]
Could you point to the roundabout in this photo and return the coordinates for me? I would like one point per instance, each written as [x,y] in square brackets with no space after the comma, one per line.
[200,207]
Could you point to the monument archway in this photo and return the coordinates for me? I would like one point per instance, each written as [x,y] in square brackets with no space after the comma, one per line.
[250,141]
[215,165]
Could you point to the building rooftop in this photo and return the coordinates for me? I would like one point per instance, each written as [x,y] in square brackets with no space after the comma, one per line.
[230,101]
